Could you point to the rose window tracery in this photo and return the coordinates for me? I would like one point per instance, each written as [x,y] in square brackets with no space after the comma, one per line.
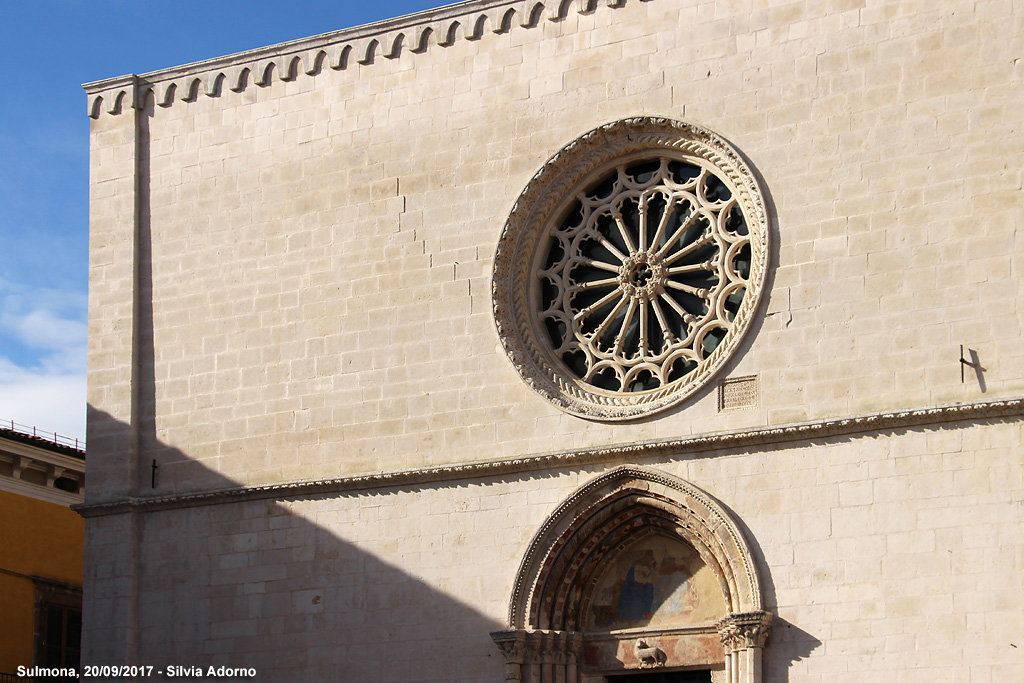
[644,275]
[630,267]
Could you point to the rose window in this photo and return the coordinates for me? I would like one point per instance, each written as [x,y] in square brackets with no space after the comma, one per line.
[644,275]
[630,273]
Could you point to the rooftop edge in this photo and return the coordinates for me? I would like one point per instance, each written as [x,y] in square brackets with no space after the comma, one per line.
[337,50]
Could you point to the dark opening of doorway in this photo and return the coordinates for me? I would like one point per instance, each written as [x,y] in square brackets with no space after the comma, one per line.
[664,677]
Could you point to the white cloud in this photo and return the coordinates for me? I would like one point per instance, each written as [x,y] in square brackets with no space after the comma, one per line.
[42,359]
[41,328]
[53,402]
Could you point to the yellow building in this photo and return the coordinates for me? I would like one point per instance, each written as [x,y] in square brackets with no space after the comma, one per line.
[41,548]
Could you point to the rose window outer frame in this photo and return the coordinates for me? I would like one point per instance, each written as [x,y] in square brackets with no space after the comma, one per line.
[526,243]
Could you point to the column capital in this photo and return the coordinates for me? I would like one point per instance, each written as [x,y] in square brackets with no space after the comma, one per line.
[744,630]
[512,645]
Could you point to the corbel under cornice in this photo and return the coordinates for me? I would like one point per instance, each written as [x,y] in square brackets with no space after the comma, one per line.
[338,50]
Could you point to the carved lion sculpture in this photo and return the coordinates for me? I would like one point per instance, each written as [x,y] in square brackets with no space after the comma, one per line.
[650,657]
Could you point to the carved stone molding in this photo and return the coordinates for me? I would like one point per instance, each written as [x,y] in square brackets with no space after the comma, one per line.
[513,648]
[579,543]
[597,310]
[576,525]
[745,631]
[361,45]
[534,655]
[752,439]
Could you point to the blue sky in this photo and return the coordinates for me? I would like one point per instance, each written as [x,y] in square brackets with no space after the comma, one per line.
[50,48]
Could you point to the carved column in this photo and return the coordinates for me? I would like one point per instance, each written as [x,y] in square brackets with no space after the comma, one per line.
[533,672]
[573,650]
[513,647]
[743,636]
[546,641]
[559,657]
[535,656]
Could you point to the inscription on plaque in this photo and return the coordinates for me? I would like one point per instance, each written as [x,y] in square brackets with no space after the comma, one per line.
[735,393]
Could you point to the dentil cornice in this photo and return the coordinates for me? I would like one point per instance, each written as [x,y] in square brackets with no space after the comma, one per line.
[416,33]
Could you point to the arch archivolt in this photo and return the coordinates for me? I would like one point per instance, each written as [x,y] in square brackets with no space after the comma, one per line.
[584,547]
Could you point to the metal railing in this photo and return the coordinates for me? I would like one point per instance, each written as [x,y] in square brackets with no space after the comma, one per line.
[53,437]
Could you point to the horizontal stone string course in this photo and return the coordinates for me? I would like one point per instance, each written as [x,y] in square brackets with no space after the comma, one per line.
[757,438]
[338,50]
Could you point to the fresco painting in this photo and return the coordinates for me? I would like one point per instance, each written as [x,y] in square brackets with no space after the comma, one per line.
[659,582]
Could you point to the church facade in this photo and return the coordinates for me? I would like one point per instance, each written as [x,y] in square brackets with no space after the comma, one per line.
[580,341]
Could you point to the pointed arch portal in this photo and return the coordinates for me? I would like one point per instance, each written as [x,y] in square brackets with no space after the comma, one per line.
[637,570]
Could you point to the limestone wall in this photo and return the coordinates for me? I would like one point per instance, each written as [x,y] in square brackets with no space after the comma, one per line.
[291,255]
[320,247]
[885,557]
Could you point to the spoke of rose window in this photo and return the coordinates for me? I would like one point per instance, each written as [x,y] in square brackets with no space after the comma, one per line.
[670,208]
[696,291]
[610,247]
[620,340]
[642,219]
[643,329]
[598,304]
[692,268]
[597,264]
[617,217]
[703,240]
[596,283]
[683,313]
[660,315]
[599,332]
[679,231]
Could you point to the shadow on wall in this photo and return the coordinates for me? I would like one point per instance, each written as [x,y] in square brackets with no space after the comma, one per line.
[268,584]
[787,645]
[259,584]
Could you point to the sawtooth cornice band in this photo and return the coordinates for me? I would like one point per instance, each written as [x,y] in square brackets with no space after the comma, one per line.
[748,438]
[337,50]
